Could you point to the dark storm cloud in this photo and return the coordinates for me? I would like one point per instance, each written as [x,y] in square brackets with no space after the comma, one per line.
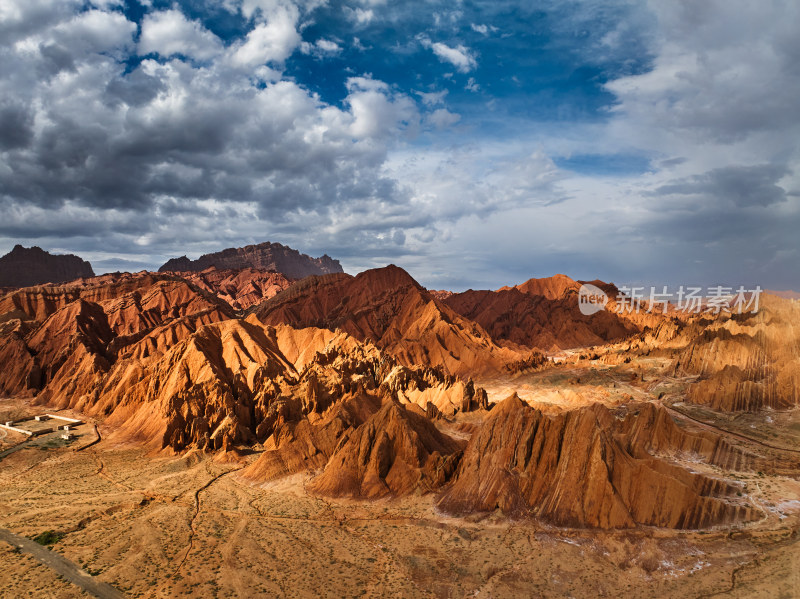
[55,58]
[742,185]
[16,126]
[134,89]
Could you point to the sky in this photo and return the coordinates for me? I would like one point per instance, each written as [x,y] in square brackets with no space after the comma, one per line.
[474,143]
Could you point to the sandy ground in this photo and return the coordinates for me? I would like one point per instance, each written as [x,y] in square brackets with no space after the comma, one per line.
[168,526]
[165,527]
[580,384]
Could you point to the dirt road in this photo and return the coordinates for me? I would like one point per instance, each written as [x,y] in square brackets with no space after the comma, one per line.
[718,429]
[61,565]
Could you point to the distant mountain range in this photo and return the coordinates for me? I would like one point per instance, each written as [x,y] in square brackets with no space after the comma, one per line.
[265,256]
[25,267]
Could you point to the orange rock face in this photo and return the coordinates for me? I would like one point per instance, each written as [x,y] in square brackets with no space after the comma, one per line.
[748,361]
[165,363]
[362,381]
[300,446]
[395,452]
[584,468]
[239,288]
[540,316]
[69,336]
[552,288]
[389,308]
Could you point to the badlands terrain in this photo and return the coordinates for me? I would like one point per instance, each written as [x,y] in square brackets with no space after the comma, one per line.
[247,431]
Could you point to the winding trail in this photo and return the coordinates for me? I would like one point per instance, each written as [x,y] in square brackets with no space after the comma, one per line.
[724,431]
[193,532]
[701,423]
[61,566]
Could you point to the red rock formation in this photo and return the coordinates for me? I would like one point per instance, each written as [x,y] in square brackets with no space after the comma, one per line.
[440,294]
[391,309]
[553,288]
[786,294]
[129,290]
[301,446]
[70,349]
[167,364]
[218,383]
[581,468]
[747,361]
[649,429]
[537,320]
[69,335]
[35,303]
[239,288]
[395,452]
[264,256]
[230,382]
[23,267]
[21,374]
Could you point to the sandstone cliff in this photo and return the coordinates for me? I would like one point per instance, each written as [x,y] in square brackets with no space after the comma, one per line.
[388,307]
[395,452]
[582,468]
[71,334]
[550,319]
[748,361]
[240,288]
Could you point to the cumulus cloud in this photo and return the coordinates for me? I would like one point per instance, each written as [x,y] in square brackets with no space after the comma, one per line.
[141,143]
[272,41]
[433,98]
[94,148]
[360,16]
[169,32]
[376,112]
[723,71]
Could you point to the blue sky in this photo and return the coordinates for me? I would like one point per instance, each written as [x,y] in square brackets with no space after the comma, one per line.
[475,143]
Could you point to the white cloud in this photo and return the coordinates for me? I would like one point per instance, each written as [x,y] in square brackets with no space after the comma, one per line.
[106,4]
[432,98]
[459,56]
[442,118]
[176,153]
[96,31]
[328,46]
[376,112]
[169,32]
[321,47]
[720,73]
[184,156]
[273,41]
[360,16]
